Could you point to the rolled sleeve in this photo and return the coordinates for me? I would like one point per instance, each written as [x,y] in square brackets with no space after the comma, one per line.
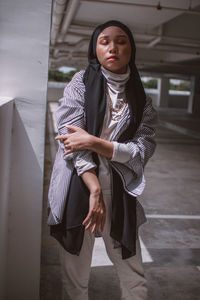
[83,162]
[121,152]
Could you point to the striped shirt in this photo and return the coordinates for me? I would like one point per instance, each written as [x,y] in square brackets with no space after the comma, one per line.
[140,149]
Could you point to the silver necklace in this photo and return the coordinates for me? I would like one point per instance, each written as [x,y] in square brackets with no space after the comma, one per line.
[113,110]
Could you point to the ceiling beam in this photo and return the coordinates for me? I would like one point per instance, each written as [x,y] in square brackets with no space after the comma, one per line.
[176,70]
[188,10]
[69,46]
[70,11]
[171,48]
[154,42]
[158,39]
[58,12]
[179,39]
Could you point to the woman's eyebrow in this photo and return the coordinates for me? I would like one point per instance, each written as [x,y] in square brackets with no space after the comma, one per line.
[117,36]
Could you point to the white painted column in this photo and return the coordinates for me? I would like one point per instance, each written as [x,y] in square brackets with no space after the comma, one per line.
[24,47]
[194,99]
[163,92]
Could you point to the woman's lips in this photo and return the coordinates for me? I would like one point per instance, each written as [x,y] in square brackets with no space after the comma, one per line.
[113,58]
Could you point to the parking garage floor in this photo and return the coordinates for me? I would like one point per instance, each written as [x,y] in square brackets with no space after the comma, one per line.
[171,237]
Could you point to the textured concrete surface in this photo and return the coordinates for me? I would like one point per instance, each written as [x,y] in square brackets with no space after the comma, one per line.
[171,236]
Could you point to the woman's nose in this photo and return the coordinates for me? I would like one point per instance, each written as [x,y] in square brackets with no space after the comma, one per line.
[113,48]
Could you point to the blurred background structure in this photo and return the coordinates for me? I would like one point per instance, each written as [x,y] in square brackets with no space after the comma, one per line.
[41,37]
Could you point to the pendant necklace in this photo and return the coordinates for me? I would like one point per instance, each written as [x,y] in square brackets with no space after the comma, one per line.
[113,110]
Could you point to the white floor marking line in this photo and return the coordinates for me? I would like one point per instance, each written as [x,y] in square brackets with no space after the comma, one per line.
[99,255]
[198,267]
[189,217]
[146,257]
[100,258]
[180,129]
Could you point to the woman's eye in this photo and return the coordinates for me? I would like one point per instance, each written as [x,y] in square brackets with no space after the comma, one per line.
[104,42]
[121,42]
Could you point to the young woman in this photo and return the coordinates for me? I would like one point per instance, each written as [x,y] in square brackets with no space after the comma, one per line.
[106,135]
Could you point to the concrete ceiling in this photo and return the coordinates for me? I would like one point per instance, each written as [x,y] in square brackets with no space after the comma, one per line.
[166,32]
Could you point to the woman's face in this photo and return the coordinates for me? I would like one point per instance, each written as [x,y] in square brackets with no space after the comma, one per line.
[113,49]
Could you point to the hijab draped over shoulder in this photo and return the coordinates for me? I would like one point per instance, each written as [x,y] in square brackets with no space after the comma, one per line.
[124,224]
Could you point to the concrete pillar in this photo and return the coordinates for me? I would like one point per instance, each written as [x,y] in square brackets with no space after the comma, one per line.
[163,92]
[194,99]
[6,116]
[24,48]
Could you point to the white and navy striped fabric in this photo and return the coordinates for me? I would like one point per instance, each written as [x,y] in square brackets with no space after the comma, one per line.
[141,148]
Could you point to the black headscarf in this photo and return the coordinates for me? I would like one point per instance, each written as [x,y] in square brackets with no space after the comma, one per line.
[70,232]
[95,82]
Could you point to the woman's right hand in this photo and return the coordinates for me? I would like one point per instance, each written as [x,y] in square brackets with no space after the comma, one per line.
[97,212]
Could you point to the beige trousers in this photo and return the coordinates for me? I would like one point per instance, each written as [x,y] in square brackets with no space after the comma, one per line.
[76,269]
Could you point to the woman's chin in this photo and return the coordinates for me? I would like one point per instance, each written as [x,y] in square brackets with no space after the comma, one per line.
[116,69]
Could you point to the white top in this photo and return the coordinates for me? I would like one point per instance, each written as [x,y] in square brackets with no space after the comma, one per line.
[116,89]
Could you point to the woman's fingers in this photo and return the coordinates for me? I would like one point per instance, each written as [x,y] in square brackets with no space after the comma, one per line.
[94,228]
[90,224]
[61,137]
[69,147]
[90,220]
[95,220]
[66,135]
[87,219]
[76,140]
[94,224]
[67,152]
[74,128]
[66,142]
[97,213]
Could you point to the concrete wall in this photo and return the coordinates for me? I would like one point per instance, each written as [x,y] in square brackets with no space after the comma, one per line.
[24,47]
[153,93]
[178,101]
[175,99]
[6,116]
[194,100]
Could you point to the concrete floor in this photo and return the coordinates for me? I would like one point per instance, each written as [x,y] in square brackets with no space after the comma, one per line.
[171,237]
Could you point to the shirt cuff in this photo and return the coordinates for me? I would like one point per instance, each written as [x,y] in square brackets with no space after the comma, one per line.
[82,169]
[121,152]
[83,164]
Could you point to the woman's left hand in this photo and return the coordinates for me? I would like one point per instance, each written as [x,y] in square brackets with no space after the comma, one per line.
[79,139]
